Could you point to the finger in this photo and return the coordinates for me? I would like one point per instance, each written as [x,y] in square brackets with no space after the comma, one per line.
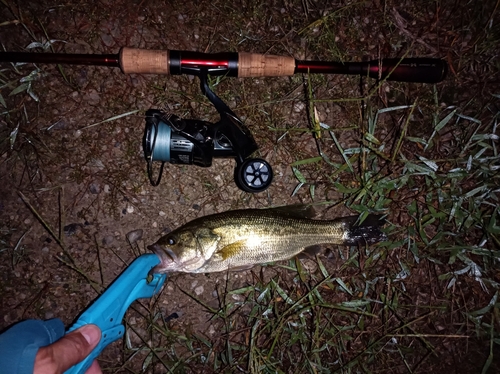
[94,368]
[67,351]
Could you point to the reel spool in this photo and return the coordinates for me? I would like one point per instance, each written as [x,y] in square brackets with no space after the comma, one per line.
[168,138]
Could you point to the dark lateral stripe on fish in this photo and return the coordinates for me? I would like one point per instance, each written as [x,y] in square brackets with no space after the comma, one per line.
[368,232]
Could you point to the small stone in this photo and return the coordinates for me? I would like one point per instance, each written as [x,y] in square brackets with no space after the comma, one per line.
[298,107]
[108,239]
[199,290]
[106,188]
[45,249]
[93,97]
[94,188]
[134,236]
[161,213]
[49,314]
[107,39]
[72,228]
[130,209]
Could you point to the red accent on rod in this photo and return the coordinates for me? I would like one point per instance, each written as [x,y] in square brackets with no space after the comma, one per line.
[321,67]
[203,62]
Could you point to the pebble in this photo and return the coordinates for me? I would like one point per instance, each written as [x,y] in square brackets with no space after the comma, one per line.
[298,107]
[94,188]
[107,39]
[130,209]
[108,239]
[134,235]
[199,290]
[72,228]
[211,330]
[237,297]
[93,97]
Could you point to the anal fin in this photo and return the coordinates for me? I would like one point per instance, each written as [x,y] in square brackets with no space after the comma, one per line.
[309,252]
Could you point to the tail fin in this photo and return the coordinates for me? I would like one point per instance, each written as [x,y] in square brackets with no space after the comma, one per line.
[368,232]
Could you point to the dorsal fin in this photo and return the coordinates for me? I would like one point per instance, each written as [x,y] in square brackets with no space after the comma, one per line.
[295,211]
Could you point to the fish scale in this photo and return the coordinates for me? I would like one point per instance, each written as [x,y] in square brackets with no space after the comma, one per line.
[240,239]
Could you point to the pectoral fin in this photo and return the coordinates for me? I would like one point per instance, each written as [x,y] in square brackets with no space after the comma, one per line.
[232,249]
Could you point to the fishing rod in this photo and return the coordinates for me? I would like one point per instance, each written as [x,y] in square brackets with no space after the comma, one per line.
[169,138]
[242,64]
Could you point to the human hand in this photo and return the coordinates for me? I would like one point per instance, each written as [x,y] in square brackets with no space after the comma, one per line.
[69,351]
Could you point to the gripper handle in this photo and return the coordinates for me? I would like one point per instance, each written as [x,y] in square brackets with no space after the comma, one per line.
[108,310]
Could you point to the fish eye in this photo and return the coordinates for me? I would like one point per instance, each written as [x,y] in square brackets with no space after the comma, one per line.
[171,241]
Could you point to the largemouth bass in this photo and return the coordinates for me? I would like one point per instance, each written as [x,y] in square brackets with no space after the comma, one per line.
[240,239]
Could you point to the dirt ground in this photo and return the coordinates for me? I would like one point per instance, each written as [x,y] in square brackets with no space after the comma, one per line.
[74,189]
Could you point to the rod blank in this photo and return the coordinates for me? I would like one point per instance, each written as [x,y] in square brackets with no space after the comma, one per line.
[143,61]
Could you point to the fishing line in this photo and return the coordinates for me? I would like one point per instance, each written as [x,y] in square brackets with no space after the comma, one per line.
[158,149]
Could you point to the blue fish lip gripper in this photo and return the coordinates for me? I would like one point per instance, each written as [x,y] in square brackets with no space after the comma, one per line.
[108,310]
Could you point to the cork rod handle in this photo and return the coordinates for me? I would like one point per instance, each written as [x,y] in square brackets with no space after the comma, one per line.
[258,65]
[144,61]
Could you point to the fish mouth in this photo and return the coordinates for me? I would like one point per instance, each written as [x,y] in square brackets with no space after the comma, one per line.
[168,259]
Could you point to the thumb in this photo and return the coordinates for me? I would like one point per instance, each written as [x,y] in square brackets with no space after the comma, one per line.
[67,351]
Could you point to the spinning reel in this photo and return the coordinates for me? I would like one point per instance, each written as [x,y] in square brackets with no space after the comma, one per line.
[169,138]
